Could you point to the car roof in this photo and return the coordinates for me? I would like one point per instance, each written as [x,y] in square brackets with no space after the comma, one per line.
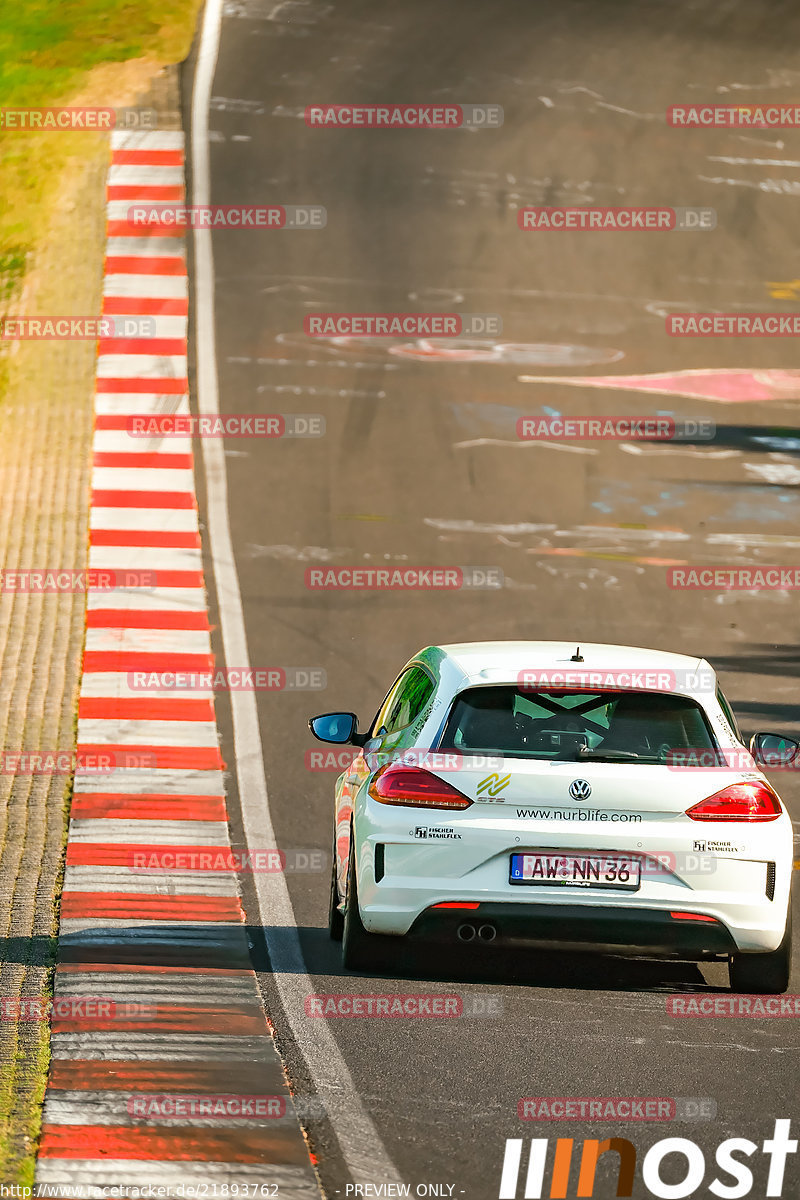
[502,661]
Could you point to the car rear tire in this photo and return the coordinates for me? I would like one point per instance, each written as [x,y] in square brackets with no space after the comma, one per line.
[358,946]
[335,918]
[764,974]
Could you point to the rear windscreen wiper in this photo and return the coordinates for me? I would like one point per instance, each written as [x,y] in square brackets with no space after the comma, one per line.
[601,755]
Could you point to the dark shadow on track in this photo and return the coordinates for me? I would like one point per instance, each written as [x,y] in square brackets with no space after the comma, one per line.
[32,951]
[781,714]
[762,659]
[514,968]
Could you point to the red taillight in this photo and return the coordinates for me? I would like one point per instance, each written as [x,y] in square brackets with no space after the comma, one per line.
[739,802]
[682,916]
[411,786]
[457,904]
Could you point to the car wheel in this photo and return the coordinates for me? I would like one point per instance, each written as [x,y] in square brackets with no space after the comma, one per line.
[766,974]
[358,946]
[335,918]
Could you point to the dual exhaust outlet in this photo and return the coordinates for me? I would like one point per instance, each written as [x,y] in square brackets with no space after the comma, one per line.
[469,932]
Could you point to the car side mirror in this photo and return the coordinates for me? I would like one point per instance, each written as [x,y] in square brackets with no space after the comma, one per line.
[773,750]
[339,728]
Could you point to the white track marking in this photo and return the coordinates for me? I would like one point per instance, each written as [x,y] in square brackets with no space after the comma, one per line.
[116,685]
[167,782]
[154,287]
[143,479]
[164,599]
[457,526]
[95,731]
[154,987]
[172,520]
[522,445]
[139,832]
[152,883]
[148,247]
[152,558]
[134,174]
[120,441]
[364,1154]
[119,210]
[149,641]
[113,404]
[146,139]
[140,366]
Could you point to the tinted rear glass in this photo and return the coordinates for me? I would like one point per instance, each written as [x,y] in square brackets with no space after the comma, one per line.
[642,726]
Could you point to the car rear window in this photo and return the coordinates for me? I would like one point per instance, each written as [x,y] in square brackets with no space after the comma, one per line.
[628,726]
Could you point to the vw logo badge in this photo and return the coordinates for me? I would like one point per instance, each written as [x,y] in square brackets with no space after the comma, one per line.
[579,789]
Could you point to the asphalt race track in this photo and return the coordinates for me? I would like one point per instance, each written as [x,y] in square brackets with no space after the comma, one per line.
[421,465]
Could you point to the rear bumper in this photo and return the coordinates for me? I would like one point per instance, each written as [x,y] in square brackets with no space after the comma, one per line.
[407,863]
[571,926]
[402,876]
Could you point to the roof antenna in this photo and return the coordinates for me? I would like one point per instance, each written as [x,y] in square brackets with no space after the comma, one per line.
[577,656]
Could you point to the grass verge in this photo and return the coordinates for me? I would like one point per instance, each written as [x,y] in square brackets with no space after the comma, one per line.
[63,53]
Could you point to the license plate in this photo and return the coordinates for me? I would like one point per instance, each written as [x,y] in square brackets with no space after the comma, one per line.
[575,870]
